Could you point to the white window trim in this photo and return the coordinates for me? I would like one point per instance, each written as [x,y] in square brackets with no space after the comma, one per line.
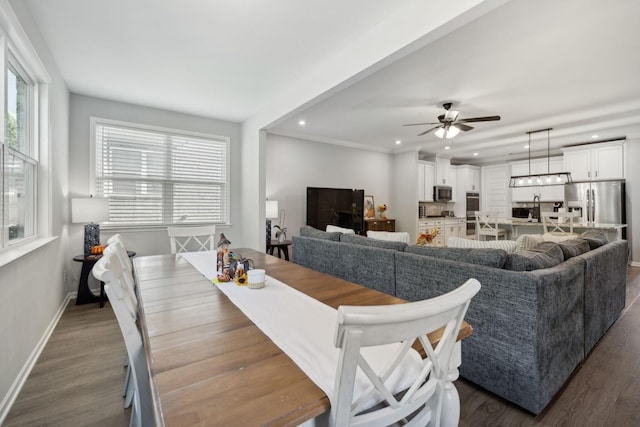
[93,121]
[15,42]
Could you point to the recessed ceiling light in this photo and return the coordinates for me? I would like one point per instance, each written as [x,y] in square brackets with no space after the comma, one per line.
[475,154]
[302,122]
[526,146]
[594,136]
[398,142]
[447,147]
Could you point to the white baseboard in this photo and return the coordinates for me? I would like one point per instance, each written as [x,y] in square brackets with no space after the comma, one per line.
[17,385]
[635,263]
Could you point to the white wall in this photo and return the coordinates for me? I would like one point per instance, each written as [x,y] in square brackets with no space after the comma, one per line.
[149,241]
[32,289]
[405,194]
[632,188]
[295,164]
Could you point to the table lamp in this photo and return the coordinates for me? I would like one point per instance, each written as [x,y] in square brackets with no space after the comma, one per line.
[90,210]
[271,211]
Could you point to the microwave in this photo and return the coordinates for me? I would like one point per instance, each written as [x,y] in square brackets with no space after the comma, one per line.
[442,193]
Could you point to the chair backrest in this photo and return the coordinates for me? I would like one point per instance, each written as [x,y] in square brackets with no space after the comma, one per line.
[109,270]
[128,282]
[192,239]
[367,326]
[560,223]
[487,223]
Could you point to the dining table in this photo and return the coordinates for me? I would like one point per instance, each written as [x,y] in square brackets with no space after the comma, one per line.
[210,364]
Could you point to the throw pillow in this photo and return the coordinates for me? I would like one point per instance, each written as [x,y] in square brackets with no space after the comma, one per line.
[595,238]
[366,241]
[461,242]
[335,228]
[573,247]
[543,255]
[527,241]
[308,231]
[552,237]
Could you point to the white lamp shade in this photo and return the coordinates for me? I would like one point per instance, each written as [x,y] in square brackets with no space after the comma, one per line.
[271,210]
[89,209]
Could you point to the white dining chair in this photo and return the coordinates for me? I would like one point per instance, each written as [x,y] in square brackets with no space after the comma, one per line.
[362,327]
[559,223]
[109,270]
[487,225]
[192,239]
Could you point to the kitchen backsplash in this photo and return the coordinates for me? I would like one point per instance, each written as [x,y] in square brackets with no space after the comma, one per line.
[427,209]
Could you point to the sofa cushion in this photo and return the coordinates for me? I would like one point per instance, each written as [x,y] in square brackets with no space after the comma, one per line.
[461,242]
[335,228]
[573,247]
[558,237]
[365,241]
[487,257]
[595,238]
[308,231]
[543,255]
[527,241]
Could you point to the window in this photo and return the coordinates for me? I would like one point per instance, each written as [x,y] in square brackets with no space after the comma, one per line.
[156,176]
[20,165]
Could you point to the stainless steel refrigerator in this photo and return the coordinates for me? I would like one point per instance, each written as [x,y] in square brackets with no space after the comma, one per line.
[601,202]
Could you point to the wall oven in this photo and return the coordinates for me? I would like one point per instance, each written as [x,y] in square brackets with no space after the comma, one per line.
[473,205]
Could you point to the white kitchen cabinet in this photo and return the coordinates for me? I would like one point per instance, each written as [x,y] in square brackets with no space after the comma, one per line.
[447,227]
[594,162]
[468,178]
[443,172]
[425,181]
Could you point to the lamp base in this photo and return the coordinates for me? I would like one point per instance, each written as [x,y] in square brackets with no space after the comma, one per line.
[268,232]
[91,237]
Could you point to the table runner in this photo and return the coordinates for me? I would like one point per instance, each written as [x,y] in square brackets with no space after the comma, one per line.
[304,329]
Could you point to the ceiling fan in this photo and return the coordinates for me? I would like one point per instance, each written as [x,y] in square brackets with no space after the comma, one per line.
[449,125]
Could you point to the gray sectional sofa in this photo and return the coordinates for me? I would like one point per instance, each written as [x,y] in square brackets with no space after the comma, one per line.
[538,314]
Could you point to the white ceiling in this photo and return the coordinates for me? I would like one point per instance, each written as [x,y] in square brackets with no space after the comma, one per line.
[572,65]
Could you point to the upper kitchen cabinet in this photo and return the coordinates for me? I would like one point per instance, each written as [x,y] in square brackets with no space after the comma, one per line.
[444,172]
[425,181]
[595,162]
[467,179]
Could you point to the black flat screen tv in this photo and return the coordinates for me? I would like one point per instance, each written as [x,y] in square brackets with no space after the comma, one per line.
[337,206]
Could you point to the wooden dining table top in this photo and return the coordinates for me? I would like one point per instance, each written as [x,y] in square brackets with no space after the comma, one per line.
[210,365]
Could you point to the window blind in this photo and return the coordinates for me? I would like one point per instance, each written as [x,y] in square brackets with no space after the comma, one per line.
[154,177]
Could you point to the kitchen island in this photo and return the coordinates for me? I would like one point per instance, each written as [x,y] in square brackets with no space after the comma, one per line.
[518,226]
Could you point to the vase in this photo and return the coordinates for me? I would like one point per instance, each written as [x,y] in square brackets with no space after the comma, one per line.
[281,238]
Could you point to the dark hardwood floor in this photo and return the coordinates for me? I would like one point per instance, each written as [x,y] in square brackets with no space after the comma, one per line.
[78,379]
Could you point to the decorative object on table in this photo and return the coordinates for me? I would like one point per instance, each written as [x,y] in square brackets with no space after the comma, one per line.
[382,211]
[91,210]
[97,249]
[427,238]
[223,248]
[255,278]
[271,211]
[281,234]
[369,207]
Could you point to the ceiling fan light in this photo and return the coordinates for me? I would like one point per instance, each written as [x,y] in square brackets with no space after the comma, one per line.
[439,132]
[452,132]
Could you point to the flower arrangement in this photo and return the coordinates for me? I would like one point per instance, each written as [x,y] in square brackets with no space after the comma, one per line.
[382,211]
[427,238]
[282,231]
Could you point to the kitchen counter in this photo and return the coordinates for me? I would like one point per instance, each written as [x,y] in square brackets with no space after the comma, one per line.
[518,226]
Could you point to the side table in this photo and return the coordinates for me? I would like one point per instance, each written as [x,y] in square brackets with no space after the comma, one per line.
[85,296]
[283,247]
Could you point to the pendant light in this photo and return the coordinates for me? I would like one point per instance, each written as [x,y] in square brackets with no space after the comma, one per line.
[540,179]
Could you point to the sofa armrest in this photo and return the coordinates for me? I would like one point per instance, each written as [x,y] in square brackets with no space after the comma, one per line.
[527,326]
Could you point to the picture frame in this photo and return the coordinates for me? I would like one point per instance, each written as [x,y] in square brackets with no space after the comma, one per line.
[369,207]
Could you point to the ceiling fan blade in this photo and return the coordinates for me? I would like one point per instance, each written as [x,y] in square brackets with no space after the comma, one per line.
[420,124]
[427,131]
[462,126]
[479,119]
